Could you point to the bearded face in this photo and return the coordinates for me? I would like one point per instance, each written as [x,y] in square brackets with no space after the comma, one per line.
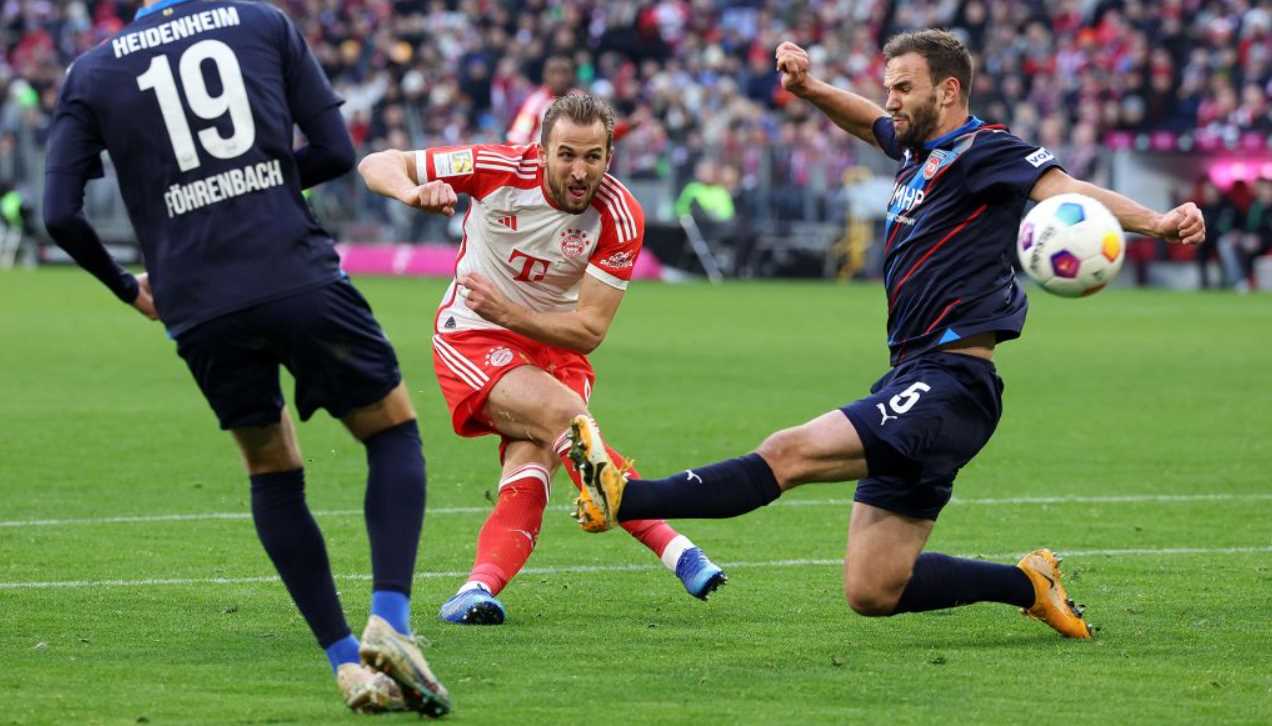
[916,124]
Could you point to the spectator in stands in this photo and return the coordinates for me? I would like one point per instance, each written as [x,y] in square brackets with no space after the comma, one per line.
[1221,219]
[1256,234]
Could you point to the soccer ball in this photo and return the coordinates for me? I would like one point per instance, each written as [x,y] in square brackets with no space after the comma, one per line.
[1071,244]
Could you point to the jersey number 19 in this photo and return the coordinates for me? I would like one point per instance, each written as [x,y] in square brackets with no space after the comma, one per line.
[232,100]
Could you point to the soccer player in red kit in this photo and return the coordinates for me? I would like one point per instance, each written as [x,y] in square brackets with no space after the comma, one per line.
[550,241]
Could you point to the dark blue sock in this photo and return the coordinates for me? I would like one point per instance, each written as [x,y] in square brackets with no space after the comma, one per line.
[726,489]
[394,505]
[294,543]
[343,651]
[394,607]
[940,581]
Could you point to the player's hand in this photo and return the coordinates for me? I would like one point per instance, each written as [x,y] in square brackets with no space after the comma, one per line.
[145,302]
[1183,224]
[793,64]
[436,196]
[483,298]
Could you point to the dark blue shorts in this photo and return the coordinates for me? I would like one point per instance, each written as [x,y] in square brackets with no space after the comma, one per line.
[920,424]
[326,337]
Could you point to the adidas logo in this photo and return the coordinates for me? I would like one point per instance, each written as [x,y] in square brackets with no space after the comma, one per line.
[509,221]
[450,324]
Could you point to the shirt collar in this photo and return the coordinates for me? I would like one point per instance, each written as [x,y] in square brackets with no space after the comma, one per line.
[157,7]
[971,124]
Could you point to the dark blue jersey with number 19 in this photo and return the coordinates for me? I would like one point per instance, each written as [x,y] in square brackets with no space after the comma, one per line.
[195,101]
[950,232]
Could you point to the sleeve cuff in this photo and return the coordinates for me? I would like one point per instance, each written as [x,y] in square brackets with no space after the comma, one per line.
[127,289]
[421,166]
[613,281]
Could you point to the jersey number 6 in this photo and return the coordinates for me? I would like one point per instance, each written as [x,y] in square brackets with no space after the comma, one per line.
[233,100]
[905,400]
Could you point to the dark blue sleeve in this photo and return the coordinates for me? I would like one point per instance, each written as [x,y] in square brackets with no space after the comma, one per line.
[75,142]
[886,134]
[308,90]
[1002,164]
[74,157]
[328,152]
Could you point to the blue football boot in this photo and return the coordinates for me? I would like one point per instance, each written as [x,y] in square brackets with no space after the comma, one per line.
[699,574]
[472,607]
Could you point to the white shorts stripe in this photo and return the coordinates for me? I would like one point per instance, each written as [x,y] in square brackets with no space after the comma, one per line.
[459,365]
[460,373]
[474,369]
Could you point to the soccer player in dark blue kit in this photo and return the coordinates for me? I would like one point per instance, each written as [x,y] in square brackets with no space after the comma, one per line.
[952,297]
[196,102]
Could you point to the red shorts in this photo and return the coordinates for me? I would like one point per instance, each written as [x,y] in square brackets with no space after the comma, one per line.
[469,364]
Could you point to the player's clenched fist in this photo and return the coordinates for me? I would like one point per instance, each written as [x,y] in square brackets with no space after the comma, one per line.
[1183,224]
[436,196]
[793,64]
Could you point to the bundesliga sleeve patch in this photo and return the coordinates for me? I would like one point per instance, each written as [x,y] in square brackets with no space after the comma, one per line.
[1040,157]
[453,163]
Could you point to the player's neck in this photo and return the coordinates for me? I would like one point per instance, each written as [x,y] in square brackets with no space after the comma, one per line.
[949,121]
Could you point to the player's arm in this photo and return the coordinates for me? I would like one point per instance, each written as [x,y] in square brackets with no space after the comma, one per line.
[328,152]
[581,329]
[1183,224]
[394,174]
[850,112]
[74,157]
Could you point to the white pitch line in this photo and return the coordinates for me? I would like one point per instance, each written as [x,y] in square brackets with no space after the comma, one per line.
[590,569]
[332,513]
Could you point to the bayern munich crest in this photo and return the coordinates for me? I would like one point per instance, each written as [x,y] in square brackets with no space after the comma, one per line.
[498,357]
[573,242]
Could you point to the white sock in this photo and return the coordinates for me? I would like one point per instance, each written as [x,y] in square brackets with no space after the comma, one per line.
[473,585]
[674,549]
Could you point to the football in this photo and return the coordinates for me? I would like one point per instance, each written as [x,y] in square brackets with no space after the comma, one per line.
[1071,244]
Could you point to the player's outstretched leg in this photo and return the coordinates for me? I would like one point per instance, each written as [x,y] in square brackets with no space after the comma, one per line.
[725,489]
[294,543]
[699,575]
[506,540]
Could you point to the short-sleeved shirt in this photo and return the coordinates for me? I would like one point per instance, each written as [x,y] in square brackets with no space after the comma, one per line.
[195,102]
[950,233]
[516,237]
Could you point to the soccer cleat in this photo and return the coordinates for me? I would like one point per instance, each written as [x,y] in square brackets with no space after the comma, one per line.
[596,508]
[368,691]
[398,657]
[472,607]
[1052,604]
[700,575]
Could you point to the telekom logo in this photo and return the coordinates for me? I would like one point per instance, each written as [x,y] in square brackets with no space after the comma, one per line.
[529,273]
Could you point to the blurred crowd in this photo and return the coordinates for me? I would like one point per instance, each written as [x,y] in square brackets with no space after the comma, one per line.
[696,78]
[1238,232]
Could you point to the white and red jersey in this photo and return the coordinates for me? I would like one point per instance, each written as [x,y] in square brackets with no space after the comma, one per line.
[514,236]
[529,119]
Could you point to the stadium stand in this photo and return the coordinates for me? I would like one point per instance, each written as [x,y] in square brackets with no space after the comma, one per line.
[696,79]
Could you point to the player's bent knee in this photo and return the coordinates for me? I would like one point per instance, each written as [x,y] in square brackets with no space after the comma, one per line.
[871,601]
[392,410]
[784,454]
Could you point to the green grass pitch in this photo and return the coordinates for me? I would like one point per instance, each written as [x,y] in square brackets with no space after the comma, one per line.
[1135,438]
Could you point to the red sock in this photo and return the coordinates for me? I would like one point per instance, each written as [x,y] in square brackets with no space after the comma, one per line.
[655,534]
[512,529]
